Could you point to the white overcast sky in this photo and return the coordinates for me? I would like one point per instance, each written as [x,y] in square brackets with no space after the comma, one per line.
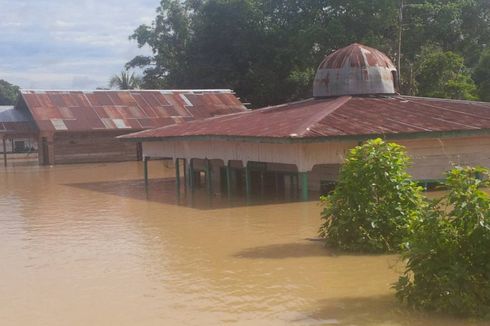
[68,44]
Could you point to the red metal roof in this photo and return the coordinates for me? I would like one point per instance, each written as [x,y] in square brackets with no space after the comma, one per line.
[15,122]
[354,70]
[356,55]
[337,117]
[131,110]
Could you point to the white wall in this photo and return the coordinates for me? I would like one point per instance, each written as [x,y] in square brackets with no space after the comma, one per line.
[304,156]
[431,157]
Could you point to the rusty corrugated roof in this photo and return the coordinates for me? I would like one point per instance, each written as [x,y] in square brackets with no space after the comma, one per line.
[337,117]
[131,110]
[15,122]
[354,70]
[356,55]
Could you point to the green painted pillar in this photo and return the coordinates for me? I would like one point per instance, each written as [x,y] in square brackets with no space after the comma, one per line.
[262,184]
[303,176]
[228,181]
[247,181]
[185,173]
[208,176]
[4,152]
[191,175]
[177,175]
[276,182]
[145,169]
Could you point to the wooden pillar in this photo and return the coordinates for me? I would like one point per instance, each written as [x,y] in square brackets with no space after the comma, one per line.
[145,167]
[46,149]
[303,176]
[4,152]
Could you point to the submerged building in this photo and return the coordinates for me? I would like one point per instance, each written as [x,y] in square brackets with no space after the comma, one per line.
[303,144]
[81,126]
[17,132]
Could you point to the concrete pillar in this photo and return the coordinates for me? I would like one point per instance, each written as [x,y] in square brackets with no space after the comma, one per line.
[177,175]
[276,182]
[145,169]
[247,181]
[208,175]
[262,184]
[4,152]
[191,174]
[216,166]
[184,168]
[228,178]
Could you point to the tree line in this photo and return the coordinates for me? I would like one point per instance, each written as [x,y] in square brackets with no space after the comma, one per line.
[268,50]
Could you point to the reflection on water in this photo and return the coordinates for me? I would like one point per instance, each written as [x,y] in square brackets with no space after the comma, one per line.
[86,245]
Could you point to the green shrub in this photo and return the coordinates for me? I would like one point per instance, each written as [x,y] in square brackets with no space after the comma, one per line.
[374,202]
[448,253]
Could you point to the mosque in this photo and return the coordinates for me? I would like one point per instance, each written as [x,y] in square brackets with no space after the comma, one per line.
[302,144]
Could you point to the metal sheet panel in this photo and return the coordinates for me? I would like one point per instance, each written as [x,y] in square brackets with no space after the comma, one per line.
[341,116]
[136,110]
[354,70]
[15,121]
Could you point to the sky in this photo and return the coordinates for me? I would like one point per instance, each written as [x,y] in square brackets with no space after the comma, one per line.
[69,44]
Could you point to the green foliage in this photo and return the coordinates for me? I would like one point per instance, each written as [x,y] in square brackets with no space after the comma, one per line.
[443,74]
[448,252]
[481,76]
[125,81]
[8,93]
[268,50]
[375,201]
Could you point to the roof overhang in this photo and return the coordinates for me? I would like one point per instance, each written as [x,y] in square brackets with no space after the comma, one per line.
[320,139]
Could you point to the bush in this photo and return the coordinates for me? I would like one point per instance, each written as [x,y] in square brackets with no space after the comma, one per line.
[448,253]
[374,202]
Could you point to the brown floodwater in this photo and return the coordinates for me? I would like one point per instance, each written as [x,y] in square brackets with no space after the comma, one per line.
[86,245]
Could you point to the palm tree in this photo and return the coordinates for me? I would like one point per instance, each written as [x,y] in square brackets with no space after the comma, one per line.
[125,81]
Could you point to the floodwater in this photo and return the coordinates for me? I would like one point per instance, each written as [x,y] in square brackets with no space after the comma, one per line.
[86,245]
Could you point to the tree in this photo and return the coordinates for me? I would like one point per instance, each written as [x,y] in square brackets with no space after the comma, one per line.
[443,74]
[125,81]
[225,44]
[448,252]
[374,202]
[460,26]
[481,76]
[8,93]
[268,50]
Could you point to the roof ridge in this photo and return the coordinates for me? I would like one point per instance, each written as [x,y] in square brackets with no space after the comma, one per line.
[222,90]
[316,118]
[226,117]
[191,122]
[284,105]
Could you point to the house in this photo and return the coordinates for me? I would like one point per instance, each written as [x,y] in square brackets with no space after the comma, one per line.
[81,126]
